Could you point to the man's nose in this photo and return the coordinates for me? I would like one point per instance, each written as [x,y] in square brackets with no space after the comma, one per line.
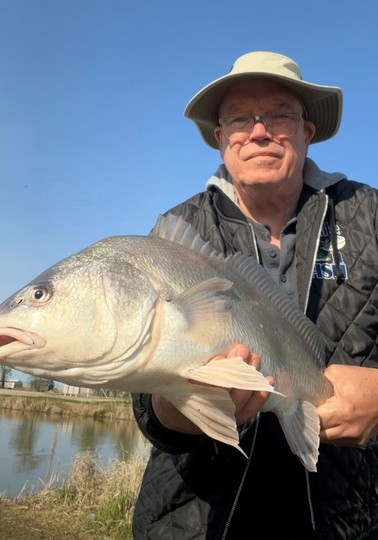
[259,130]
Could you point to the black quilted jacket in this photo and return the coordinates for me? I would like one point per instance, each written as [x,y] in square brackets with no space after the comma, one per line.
[196,488]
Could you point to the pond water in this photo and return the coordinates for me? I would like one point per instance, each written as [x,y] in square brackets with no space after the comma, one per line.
[35,448]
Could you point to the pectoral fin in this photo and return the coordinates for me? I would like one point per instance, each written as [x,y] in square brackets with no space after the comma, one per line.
[206,309]
[230,373]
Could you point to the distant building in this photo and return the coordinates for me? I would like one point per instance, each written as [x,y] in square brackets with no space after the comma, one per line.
[75,391]
[13,383]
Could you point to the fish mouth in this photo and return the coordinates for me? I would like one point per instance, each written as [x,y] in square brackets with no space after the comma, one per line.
[15,340]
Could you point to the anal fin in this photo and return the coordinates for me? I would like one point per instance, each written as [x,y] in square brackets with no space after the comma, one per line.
[212,410]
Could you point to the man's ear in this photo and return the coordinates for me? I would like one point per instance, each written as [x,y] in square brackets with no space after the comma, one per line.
[218,135]
[309,129]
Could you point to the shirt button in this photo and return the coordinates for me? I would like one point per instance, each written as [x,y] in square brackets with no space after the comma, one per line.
[272,253]
[283,278]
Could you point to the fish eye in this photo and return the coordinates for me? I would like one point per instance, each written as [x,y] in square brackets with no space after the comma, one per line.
[40,294]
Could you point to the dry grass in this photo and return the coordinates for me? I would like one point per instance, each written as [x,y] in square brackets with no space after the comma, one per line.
[93,485]
[96,501]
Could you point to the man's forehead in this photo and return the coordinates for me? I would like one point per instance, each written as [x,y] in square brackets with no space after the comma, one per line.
[258,89]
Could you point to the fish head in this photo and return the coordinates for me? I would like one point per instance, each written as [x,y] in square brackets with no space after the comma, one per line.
[87,319]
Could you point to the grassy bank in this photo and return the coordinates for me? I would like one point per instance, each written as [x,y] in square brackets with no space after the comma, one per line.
[94,502]
[58,404]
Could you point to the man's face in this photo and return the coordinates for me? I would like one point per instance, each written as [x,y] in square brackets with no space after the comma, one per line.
[262,158]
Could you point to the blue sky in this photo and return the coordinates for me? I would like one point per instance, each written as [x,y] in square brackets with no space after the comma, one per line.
[93,141]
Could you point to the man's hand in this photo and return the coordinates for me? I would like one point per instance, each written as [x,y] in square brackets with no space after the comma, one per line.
[247,403]
[350,416]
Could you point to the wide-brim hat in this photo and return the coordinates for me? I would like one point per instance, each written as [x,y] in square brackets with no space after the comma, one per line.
[323,104]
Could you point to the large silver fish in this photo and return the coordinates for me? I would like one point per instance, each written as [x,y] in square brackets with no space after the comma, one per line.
[147,313]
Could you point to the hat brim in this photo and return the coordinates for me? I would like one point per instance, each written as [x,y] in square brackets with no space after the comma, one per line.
[323,104]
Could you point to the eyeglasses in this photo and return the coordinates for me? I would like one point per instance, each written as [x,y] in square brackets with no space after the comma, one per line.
[238,128]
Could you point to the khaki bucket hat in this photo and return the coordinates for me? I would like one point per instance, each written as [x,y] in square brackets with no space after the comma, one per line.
[323,104]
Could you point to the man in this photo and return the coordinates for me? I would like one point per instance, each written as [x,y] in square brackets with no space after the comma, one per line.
[316,234]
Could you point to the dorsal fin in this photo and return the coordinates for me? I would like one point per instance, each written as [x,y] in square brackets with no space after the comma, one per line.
[176,229]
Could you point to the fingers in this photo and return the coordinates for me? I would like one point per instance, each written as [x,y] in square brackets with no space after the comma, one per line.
[244,352]
[350,416]
[248,404]
[337,425]
[172,418]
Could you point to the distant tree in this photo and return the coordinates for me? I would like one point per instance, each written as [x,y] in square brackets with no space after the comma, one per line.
[41,385]
[4,374]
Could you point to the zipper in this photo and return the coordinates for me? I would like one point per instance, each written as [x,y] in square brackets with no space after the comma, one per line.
[309,499]
[241,485]
[254,242]
[315,251]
